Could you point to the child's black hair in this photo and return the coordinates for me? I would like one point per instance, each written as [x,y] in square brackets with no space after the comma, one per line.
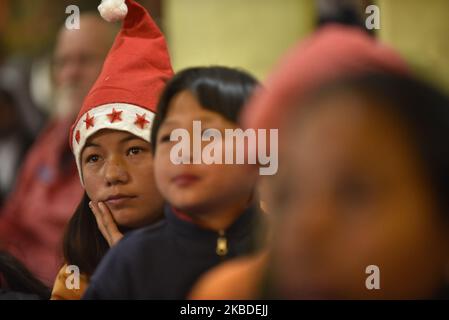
[220,89]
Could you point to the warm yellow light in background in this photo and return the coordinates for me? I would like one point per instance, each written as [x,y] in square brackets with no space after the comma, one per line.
[420,31]
[250,34]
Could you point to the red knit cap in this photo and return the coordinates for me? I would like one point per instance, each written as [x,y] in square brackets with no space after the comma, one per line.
[126,93]
[332,52]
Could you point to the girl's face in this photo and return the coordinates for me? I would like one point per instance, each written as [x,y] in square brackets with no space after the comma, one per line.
[117,168]
[196,188]
[352,193]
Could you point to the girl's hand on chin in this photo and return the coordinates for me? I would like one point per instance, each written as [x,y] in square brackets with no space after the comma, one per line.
[106,223]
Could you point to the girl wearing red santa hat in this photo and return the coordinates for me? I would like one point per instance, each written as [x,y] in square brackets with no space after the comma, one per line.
[110,140]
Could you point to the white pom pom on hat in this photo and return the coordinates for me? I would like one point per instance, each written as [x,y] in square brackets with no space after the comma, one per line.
[113,10]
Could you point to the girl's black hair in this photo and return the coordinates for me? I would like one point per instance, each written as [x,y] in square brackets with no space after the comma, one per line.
[220,89]
[422,108]
[15,277]
[83,244]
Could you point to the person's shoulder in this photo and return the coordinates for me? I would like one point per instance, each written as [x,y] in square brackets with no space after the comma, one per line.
[238,279]
[151,231]
[124,263]
[144,236]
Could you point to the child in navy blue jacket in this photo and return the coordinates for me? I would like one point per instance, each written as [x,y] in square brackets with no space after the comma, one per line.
[209,217]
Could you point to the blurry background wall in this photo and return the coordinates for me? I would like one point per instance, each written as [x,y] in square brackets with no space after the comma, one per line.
[420,31]
[251,34]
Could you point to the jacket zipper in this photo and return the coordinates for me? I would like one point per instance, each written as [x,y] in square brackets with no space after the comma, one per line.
[222,244]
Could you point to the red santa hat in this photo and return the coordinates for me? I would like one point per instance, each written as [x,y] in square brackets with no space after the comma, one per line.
[126,93]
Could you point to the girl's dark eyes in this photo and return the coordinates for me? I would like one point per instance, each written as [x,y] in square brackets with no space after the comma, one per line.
[92,158]
[134,151]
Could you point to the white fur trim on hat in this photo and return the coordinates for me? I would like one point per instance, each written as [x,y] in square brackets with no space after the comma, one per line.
[114,116]
[113,10]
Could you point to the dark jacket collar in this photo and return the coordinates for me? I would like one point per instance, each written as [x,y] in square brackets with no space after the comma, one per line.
[241,227]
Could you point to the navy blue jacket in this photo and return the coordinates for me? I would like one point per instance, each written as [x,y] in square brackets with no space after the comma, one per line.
[163,261]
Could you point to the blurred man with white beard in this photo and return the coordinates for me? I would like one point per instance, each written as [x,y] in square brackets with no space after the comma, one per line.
[48,188]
